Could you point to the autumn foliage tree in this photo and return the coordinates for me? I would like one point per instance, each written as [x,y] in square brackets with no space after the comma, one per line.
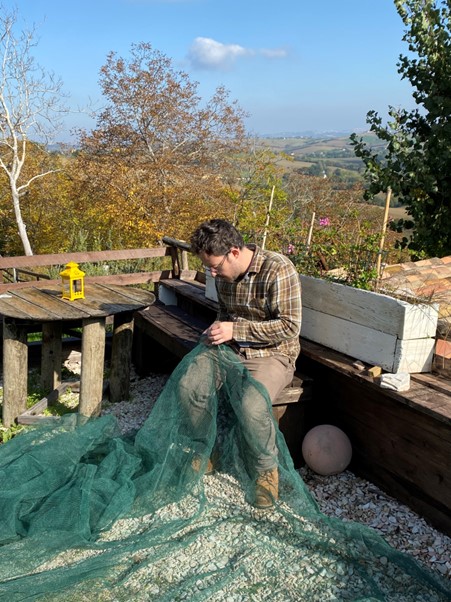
[159,159]
[31,103]
[46,204]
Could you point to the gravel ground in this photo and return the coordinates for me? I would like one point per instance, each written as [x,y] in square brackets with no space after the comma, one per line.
[345,496]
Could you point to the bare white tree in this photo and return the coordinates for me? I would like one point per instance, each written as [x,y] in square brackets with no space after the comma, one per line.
[31,108]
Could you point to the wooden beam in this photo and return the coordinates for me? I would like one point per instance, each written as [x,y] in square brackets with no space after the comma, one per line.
[34,414]
[117,279]
[25,261]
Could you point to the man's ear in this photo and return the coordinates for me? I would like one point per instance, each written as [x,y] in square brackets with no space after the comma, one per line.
[235,251]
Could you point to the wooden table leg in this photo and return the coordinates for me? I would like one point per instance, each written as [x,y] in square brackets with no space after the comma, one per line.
[92,366]
[51,356]
[121,354]
[15,370]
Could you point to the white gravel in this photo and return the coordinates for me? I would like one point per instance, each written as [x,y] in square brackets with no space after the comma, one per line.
[345,495]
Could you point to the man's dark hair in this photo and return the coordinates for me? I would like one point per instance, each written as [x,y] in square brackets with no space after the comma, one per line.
[215,237]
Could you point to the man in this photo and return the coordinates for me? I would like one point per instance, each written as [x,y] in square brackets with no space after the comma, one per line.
[259,317]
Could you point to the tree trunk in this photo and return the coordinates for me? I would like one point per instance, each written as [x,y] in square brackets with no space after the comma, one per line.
[20,223]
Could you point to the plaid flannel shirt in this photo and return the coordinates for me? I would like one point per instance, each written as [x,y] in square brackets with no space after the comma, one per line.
[265,306]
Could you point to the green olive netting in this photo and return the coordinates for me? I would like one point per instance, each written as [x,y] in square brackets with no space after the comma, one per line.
[87,514]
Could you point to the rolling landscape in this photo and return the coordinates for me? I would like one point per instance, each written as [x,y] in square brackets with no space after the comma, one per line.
[320,155]
[326,155]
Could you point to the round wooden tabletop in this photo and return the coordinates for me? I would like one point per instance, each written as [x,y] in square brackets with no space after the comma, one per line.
[47,305]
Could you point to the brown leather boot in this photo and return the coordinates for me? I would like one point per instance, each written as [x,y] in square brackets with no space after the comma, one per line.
[196,464]
[266,489]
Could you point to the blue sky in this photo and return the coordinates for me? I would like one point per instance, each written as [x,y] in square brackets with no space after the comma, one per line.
[293,65]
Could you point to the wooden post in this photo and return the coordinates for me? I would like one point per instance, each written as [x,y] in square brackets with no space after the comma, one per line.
[121,354]
[185,263]
[15,370]
[51,356]
[310,232]
[175,262]
[268,216]
[92,365]
[384,228]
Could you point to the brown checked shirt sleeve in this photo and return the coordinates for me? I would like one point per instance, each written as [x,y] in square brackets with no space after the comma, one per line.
[265,306]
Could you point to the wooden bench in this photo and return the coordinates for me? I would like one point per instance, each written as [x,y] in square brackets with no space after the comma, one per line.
[176,329]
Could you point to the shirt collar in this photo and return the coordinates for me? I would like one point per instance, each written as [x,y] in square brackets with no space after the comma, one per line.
[257,260]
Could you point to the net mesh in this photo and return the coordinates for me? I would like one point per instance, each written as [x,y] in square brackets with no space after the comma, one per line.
[89,514]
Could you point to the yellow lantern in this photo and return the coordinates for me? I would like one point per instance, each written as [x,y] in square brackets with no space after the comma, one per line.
[73,282]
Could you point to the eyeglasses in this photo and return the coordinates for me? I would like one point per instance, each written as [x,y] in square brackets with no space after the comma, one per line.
[217,268]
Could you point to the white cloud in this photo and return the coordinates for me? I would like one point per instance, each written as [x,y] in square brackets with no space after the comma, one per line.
[274,53]
[206,53]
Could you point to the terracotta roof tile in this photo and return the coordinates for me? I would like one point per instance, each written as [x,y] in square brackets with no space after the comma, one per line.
[430,278]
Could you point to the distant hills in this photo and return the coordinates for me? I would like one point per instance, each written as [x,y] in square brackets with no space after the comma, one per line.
[313,134]
[322,154]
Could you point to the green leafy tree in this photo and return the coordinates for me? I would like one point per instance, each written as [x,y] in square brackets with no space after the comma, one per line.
[416,163]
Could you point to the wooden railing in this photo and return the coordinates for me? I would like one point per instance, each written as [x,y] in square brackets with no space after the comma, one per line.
[12,269]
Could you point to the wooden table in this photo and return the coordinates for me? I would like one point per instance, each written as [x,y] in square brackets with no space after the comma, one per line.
[28,308]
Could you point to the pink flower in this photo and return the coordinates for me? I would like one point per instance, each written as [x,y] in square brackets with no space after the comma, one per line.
[290,249]
[324,221]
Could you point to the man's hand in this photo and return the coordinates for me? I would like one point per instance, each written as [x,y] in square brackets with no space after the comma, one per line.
[219,332]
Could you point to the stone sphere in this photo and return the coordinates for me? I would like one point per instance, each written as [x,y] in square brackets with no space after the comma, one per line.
[326,450]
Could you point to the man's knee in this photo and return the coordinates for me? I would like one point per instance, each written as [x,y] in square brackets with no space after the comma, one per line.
[274,373]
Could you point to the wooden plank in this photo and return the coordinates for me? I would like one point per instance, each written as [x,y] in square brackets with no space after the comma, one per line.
[355,340]
[24,261]
[11,307]
[288,395]
[116,279]
[128,279]
[413,355]
[15,306]
[431,510]
[405,449]
[189,296]
[34,414]
[47,304]
[192,290]
[436,405]
[170,327]
[386,314]
[420,320]
[95,302]
[366,344]
[442,385]
[406,436]
[130,295]
[193,275]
